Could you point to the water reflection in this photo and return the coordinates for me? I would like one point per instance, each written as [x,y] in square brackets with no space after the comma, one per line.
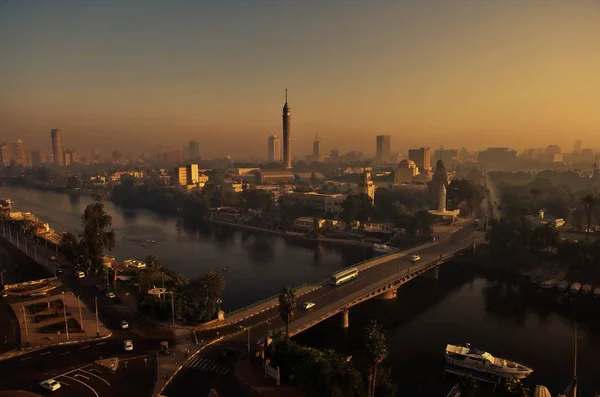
[260,251]
[74,199]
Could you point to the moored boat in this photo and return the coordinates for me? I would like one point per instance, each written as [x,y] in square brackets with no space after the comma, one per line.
[383,248]
[549,283]
[483,362]
[586,289]
[563,285]
[575,288]
[597,292]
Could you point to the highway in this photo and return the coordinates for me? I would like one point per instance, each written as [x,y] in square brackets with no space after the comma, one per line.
[256,327]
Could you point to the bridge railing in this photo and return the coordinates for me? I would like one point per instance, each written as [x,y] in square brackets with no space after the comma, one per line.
[274,297]
[328,311]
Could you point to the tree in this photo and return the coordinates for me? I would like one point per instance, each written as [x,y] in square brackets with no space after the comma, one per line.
[287,307]
[588,201]
[467,385]
[377,351]
[73,182]
[97,234]
[69,246]
[535,193]
[515,386]
[357,207]
[544,237]
[314,181]
[211,285]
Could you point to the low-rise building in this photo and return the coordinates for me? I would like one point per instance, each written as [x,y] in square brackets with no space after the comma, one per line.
[320,202]
[266,177]
[543,219]
[116,176]
[308,223]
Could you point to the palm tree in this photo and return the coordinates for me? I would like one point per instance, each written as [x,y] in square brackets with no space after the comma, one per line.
[535,193]
[588,201]
[467,385]
[377,350]
[287,307]
[515,386]
[211,285]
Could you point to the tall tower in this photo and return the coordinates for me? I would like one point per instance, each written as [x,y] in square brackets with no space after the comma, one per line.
[273,149]
[316,148]
[19,154]
[57,147]
[287,130]
[383,148]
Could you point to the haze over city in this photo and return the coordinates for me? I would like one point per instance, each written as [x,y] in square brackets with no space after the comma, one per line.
[139,75]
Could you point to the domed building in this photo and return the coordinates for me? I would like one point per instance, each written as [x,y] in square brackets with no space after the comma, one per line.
[405,172]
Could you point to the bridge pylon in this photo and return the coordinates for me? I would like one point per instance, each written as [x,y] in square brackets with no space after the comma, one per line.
[434,273]
[345,318]
[389,294]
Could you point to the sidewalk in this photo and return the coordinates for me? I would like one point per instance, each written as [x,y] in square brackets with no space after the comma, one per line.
[252,373]
[30,327]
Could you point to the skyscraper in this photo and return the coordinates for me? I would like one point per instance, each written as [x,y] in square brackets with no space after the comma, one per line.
[287,130]
[19,154]
[383,148]
[273,149]
[316,148]
[57,147]
[194,149]
[4,154]
[421,157]
[577,147]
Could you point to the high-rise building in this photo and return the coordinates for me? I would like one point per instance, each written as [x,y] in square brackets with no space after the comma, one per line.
[421,157]
[57,147]
[194,149]
[273,149]
[19,153]
[4,154]
[577,147]
[316,148]
[287,130]
[71,157]
[37,158]
[383,148]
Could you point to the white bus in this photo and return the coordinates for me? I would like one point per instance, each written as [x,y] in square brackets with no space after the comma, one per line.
[344,276]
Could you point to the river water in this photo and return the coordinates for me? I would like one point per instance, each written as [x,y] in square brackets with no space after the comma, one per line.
[506,316]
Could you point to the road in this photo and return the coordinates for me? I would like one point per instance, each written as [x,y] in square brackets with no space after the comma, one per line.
[494,198]
[255,328]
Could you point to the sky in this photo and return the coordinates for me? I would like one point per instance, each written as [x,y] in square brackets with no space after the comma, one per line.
[138,76]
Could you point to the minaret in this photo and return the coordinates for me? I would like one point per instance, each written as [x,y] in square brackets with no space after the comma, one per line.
[316,148]
[287,126]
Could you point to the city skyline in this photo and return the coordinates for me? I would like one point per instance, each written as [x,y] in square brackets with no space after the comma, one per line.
[454,77]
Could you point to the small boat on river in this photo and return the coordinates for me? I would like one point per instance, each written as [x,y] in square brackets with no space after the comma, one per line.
[586,289]
[575,288]
[548,284]
[383,248]
[563,285]
[480,361]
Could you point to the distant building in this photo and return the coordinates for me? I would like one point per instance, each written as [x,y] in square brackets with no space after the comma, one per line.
[58,151]
[189,176]
[366,186]
[501,156]
[543,219]
[172,157]
[274,149]
[37,158]
[71,157]
[383,147]
[19,156]
[193,150]
[440,178]
[421,157]
[4,154]
[405,172]
[116,176]
[448,156]
[270,177]
[319,202]
[316,152]
[287,131]
[577,147]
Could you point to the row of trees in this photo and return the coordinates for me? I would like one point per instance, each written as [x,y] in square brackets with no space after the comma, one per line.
[327,373]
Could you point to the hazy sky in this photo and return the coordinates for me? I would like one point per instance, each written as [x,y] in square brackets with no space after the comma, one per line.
[144,74]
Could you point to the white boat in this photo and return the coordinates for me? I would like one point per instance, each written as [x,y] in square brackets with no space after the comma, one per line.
[549,283]
[597,292]
[563,285]
[483,362]
[586,289]
[575,288]
[541,391]
[383,248]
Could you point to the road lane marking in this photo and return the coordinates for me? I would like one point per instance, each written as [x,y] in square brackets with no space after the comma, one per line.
[43,354]
[64,383]
[84,347]
[65,353]
[83,383]
[101,343]
[26,358]
[83,376]
[102,379]
[94,369]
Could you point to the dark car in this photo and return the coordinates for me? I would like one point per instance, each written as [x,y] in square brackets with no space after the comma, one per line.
[227,353]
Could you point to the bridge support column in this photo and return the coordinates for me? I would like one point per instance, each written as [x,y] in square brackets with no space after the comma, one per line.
[389,294]
[434,273]
[345,319]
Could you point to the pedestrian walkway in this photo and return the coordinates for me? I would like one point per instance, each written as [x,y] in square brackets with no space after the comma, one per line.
[207,365]
[184,339]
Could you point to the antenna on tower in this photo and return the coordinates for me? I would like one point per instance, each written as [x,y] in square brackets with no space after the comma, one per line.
[286,95]
[316,136]
[441,150]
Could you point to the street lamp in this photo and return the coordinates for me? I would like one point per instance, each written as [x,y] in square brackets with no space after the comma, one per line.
[219,301]
[248,329]
[172,305]
[65,314]
[139,287]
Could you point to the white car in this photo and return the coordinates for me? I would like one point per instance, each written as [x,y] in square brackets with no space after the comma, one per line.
[50,384]
[124,324]
[308,305]
[415,258]
[80,274]
[128,345]
[110,295]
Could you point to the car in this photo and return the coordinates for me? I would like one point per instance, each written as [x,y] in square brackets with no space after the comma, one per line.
[4,294]
[415,258]
[50,384]
[52,258]
[230,351]
[110,294]
[59,270]
[128,344]
[124,324]
[80,274]
[308,305]
[38,293]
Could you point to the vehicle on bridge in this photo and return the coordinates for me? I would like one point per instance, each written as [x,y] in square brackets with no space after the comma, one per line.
[344,276]
[50,384]
[308,305]
[128,344]
[415,258]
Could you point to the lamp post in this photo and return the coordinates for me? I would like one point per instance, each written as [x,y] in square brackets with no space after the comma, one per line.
[97,322]
[65,314]
[80,315]
[219,301]
[172,305]
[26,330]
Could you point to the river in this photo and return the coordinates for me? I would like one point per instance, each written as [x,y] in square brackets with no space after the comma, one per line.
[506,316]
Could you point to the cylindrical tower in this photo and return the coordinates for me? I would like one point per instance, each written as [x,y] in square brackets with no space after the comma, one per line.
[57,147]
[287,130]
[442,199]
